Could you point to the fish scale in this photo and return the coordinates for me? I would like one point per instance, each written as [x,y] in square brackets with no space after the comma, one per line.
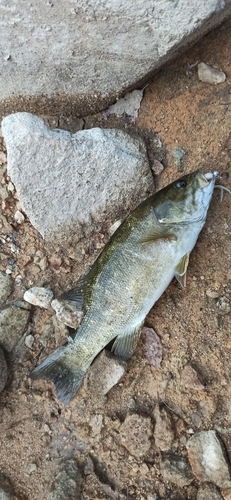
[136,266]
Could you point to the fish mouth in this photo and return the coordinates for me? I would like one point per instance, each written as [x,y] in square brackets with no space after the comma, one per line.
[212,175]
[205,179]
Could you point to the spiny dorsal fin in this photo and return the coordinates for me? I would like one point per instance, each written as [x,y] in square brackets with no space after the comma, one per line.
[77,293]
[181,270]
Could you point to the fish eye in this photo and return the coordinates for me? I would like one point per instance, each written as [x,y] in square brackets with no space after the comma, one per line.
[181,184]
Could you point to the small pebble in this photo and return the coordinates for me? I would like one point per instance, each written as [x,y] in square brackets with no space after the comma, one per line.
[55,261]
[157,167]
[152,346]
[6,284]
[10,187]
[179,158]
[2,158]
[163,433]
[38,296]
[190,379]
[208,74]
[3,372]
[223,305]
[29,340]
[19,217]
[32,468]
[212,293]
[114,226]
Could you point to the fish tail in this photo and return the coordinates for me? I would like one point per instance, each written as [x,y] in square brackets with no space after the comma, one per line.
[66,377]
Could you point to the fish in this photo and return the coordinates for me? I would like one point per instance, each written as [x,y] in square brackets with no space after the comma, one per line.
[150,247]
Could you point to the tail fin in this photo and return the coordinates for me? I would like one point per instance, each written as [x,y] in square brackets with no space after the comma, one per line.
[56,368]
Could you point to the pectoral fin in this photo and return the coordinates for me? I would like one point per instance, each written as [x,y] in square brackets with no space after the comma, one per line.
[125,344]
[76,294]
[181,270]
[158,235]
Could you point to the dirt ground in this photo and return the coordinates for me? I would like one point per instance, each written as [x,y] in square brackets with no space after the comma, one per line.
[36,430]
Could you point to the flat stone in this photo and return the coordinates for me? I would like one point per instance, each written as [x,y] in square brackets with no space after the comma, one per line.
[129,105]
[13,321]
[67,482]
[81,177]
[39,296]
[152,346]
[163,432]
[208,492]
[77,57]
[190,379]
[176,470]
[105,372]
[157,167]
[3,372]
[29,340]
[135,433]
[207,459]
[6,284]
[208,74]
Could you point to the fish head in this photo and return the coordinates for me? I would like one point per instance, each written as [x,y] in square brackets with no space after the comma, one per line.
[187,199]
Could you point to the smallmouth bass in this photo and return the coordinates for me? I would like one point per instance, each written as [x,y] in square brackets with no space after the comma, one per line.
[150,247]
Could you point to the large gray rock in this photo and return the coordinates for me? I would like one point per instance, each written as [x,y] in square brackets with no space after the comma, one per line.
[69,184]
[85,53]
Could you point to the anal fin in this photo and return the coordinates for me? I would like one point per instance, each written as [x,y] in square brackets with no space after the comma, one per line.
[181,270]
[125,344]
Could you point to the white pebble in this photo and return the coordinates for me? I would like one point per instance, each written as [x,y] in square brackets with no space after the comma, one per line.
[10,187]
[38,296]
[29,340]
[33,468]
[19,217]
[114,226]
[208,74]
